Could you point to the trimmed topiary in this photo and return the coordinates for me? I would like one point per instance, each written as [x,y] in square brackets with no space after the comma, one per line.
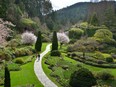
[19,61]
[104,75]
[100,62]
[82,78]
[55,53]
[109,59]
[73,55]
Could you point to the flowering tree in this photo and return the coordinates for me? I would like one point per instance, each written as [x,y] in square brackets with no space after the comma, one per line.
[62,38]
[28,38]
[5,30]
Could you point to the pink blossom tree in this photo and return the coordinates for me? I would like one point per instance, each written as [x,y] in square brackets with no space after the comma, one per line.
[62,38]
[28,38]
[5,30]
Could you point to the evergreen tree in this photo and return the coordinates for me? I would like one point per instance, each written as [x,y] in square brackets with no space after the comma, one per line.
[94,20]
[7,78]
[38,43]
[110,18]
[54,41]
[3,8]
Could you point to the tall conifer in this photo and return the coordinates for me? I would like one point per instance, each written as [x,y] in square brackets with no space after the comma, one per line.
[38,43]
[7,78]
[94,20]
[54,41]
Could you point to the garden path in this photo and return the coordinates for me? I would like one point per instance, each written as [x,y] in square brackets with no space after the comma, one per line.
[39,71]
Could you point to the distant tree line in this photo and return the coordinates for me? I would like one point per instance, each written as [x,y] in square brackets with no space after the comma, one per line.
[104,11]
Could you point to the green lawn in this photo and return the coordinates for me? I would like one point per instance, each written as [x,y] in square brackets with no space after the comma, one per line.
[26,75]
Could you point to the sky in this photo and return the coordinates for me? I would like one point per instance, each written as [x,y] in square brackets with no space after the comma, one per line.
[58,4]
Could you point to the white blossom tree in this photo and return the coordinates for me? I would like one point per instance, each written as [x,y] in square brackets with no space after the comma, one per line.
[28,38]
[4,30]
[62,38]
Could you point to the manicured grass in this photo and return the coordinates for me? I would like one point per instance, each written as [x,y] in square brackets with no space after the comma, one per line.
[44,46]
[26,75]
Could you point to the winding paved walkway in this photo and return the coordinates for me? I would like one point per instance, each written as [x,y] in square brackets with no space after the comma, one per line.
[39,71]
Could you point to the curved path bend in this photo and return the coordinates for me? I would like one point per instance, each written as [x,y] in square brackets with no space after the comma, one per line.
[39,71]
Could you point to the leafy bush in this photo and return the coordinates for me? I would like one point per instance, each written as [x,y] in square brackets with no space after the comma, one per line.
[104,36]
[98,55]
[28,38]
[73,55]
[70,48]
[84,24]
[72,41]
[109,59]
[112,50]
[19,61]
[103,33]
[14,67]
[75,33]
[1,75]
[14,43]
[68,54]
[65,67]
[1,81]
[100,62]
[114,55]
[5,54]
[24,51]
[64,82]
[104,75]
[91,31]
[52,61]
[79,65]
[84,44]
[24,22]
[45,38]
[57,73]
[55,53]
[82,78]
